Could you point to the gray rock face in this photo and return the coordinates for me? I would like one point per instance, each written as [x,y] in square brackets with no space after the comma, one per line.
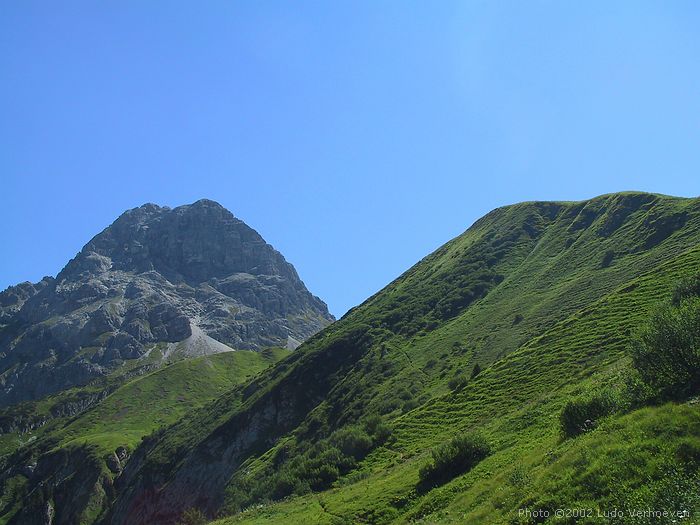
[155,277]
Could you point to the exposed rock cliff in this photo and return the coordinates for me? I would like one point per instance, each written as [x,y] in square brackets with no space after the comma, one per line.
[193,279]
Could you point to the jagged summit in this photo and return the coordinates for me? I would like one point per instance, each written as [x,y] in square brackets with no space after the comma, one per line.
[153,276]
[193,243]
[206,203]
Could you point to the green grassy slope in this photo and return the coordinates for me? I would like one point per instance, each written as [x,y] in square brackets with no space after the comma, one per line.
[123,418]
[33,419]
[516,404]
[543,296]
[161,398]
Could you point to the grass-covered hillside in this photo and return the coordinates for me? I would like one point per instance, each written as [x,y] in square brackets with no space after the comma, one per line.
[161,398]
[95,444]
[629,459]
[440,398]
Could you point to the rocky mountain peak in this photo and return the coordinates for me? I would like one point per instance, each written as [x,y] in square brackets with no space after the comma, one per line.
[156,275]
[193,243]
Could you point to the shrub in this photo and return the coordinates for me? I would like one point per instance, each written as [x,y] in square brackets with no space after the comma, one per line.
[635,391]
[378,429]
[297,469]
[457,382]
[688,287]
[582,414]
[283,486]
[331,455]
[476,370]
[409,405]
[666,352]
[323,476]
[608,257]
[353,441]
[688,453]
[386,406]
[453,458]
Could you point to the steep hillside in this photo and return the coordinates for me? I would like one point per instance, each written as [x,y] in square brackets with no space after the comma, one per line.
[92,448]
[541,296]
[516,404]
[188,281]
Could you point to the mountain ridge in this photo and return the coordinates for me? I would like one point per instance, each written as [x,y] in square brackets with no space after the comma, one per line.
[152,276]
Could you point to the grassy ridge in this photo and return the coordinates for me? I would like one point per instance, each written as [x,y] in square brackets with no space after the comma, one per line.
[542,296]
[122,419]
[162,397]
[516,403]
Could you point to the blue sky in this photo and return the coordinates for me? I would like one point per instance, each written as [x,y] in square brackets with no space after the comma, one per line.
[356,137]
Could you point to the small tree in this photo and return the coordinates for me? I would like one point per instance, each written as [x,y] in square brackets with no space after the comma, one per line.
[667,350]
[476,370]
[687,288]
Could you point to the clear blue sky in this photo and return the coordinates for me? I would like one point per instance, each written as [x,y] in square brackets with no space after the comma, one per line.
[356,137]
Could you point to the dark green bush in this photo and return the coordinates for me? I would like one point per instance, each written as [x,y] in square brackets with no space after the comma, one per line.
[322,476]
[688,287]
[297,469]
[608,257]
[583,413]
[283,485]
[453,458]
[636,392]
[410,405]
[386,406]
[378,429]
[666,352]
[457,382]
[353,441]
[476,370]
